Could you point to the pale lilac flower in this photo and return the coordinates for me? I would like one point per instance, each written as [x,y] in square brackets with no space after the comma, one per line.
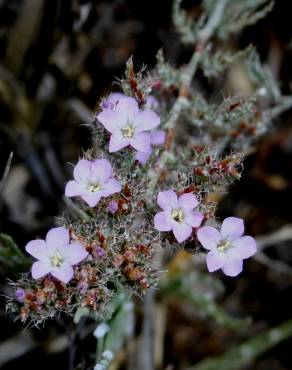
[93,180]
[127,125]
[98,252]
[228,247]
[156,138]
[20,294]
[56,255]
[111,101]
[82,287]
[112,207]
[178,214]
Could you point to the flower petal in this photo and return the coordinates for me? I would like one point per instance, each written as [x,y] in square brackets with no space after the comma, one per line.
[209,237]
[151,102]
[243,247]
[101,171]
[181,231]
[40,269]
[73,189]
[92,198]
[57,237]
[167,200]
[82,171]
[117,142]
[194,219]
[112,186]
[188,201]
[141,142]
[232,227]
[63,273]
[146,120]
[162,221]
[142,157]
[115,97]
[232,266]
[127,109]
[38,249]
[215,261]
[157,137]
[74,253]
[110,120]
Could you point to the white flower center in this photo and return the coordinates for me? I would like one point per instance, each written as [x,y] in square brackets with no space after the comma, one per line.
[223,245]
[177,215]
[93,187]
[128,131]
[57,260]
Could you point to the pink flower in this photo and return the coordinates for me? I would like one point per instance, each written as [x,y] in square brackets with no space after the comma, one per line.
[127,125]
[228,247]
[178,214]
[20,294]
[93,180]
[156,138]
[55,255]
[112,207]
[111,101]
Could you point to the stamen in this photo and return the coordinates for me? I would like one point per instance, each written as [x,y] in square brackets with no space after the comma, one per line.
[57,260]
[177,215]
[94,187]
[128,131]
[223,245]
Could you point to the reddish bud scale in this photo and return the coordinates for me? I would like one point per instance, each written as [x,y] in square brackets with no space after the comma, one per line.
[60,286]
[144,283]
[134,85]
[233,172]
[133,273]
[127,191]
[156,85]
[49,285]
[40,296]
[234,134]
[189,189]
[118,261]
[100,236]
[234,106]
[24,313]
[129,256]
[123,205]
[169,139]
[142,248]
[29,297]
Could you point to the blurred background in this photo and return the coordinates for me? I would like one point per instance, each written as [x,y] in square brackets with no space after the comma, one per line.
[57,58]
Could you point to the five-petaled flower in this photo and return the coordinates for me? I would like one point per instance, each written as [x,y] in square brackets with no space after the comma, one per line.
[178,214]
[127,125]
[228,247]
[93,180]
[56,255]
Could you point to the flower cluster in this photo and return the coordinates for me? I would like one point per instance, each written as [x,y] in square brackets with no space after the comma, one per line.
[81,263]
[227,248]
